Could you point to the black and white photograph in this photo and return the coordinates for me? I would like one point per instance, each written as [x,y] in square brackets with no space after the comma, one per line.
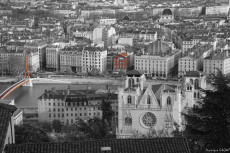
[114,76]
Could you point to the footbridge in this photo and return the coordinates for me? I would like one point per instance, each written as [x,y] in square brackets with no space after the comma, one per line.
[26,81]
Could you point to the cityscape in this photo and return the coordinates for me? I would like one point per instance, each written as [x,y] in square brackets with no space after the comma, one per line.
[118,76]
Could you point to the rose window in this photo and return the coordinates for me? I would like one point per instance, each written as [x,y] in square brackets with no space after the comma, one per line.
[148,120]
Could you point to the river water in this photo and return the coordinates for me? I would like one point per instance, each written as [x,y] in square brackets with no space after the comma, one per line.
[27,96]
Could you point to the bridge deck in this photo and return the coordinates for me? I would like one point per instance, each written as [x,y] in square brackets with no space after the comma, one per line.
[12,88]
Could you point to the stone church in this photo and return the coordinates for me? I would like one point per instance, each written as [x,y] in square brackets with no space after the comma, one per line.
[145,106]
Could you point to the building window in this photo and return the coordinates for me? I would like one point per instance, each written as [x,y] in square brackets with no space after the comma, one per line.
[149,100]
[169,101]
[196,84]
[131,82]
[129,99]
[194,94]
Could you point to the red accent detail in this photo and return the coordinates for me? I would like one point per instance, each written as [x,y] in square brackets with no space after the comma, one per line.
[26,70]
[18,84]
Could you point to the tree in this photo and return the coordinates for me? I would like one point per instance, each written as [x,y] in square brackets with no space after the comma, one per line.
[92,128]
[94,72]
[46,126]
[57,125]
[107,111]
[209,122]
[30,134]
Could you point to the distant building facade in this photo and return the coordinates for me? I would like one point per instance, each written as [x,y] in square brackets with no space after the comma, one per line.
[94,58]
[70,105]
[71,61]
[39,47]
[53,56]
[121,62]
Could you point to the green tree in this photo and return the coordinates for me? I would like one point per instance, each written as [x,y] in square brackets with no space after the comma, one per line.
[57,125]
[209,122]
[30,134]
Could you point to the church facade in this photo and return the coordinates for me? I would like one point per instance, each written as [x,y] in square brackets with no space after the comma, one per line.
[144,107]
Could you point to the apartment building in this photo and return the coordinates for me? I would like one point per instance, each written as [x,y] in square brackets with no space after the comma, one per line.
[39,47]
[84,34]
[94,58]
[71,60]
[70,105]
[110,61]
[146,35]
[217,61]
[11,61]
[121,62]
[107,21]
[104,36]
[189,43]
[53,56]
[189,63]
[33,63]
[157,65]
[194,59]
[125,41]
[66,12]
[15,45]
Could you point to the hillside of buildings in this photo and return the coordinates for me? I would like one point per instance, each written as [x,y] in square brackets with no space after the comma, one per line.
[154,58]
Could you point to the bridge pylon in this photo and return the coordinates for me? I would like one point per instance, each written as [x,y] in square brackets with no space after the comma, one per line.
[27,75]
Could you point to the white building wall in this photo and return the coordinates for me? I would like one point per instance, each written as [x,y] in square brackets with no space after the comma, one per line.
[98,35]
